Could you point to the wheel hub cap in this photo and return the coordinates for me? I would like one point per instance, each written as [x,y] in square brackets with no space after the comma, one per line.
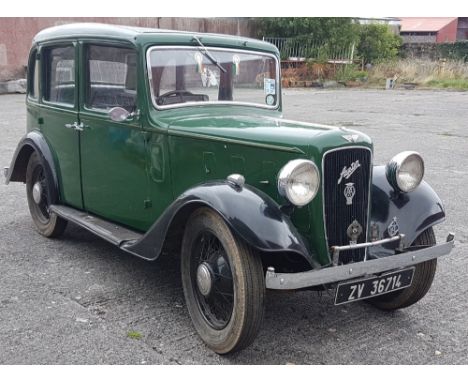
[204,279]
[37,192]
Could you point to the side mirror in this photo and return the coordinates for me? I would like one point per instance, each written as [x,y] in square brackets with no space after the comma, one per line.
[119,114]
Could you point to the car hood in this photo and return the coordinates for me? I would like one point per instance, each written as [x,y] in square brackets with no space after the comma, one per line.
[268,132]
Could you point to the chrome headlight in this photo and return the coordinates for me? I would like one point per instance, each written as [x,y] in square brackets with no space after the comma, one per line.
[299,181]
[405,171]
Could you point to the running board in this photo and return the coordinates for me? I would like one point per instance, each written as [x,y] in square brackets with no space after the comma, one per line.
[107,230]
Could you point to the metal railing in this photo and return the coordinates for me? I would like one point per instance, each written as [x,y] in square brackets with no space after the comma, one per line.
[301,49]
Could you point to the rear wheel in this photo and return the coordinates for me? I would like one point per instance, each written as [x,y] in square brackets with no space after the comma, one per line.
[223,283]
[37,191]
[422,280]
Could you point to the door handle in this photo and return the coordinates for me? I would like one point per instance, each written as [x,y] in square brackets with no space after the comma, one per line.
[75,126]
[71,125]
[80,127]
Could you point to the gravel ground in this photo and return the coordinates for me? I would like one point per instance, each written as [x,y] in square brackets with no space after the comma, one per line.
[79,300]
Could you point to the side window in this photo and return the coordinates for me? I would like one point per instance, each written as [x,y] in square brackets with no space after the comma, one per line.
[111,77]
[33,76]
[60,75]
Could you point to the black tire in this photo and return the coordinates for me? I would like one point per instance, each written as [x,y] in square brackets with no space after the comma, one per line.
[229,316]
[48,224]
[422,280]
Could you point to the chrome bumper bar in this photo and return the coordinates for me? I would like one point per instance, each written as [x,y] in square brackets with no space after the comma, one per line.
[336,249]
[338,273]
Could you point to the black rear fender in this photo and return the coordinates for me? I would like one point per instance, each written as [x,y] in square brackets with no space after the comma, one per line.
[34,141]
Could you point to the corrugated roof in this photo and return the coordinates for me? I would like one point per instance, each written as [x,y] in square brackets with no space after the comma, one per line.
[424,24]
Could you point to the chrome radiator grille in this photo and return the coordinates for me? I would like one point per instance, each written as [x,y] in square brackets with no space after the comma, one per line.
[346,182]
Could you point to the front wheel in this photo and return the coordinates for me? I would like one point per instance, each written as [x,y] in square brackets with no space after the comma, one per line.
[422,280]
[223,283]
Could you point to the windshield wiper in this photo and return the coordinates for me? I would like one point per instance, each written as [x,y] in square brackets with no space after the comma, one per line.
[208,54]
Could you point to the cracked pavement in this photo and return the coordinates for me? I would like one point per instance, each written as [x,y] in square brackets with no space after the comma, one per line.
[79,300]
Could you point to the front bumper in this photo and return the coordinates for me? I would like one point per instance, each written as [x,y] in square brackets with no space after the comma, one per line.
[338,273]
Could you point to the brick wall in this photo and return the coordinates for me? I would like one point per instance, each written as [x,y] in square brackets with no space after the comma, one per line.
[16,33]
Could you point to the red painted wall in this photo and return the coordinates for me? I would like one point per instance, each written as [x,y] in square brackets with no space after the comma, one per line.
[16,33]
[448,33]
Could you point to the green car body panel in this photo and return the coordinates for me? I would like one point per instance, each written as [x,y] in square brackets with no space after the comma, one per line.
[130,172]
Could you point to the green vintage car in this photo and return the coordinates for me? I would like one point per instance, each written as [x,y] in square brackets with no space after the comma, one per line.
[164,141]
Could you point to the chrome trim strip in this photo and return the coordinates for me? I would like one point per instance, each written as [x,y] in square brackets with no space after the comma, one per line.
[354,270]
[221,103]
[368,199]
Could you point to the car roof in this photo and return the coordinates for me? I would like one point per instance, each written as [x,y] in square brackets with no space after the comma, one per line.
[137,35]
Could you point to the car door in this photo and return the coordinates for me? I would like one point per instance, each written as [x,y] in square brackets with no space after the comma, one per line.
[57,117]
[113,154]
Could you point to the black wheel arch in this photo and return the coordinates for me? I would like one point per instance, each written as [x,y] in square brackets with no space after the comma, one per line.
[255,217]
[32,142]
[414,211]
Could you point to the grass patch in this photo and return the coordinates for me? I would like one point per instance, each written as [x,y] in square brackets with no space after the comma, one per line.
[435,74]
[133,334]
[461,84]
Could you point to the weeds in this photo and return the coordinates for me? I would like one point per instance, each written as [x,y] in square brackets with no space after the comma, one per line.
[439,74]
[423,73]
[134,335]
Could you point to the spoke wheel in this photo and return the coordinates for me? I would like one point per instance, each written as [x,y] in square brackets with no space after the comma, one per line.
[212,280]
[39,199]
[223,283]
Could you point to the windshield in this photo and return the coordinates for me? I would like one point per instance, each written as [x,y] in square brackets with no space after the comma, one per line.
[190,75]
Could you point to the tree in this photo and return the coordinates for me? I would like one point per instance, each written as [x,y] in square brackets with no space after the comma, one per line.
[377,43]
[335,31]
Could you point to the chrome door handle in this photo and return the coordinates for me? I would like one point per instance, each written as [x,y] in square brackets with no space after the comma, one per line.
[79,127]
[75,126]
[71,125]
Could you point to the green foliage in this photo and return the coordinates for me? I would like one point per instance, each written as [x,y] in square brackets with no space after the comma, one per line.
[337,32]
[377,43]
[460,84]
[133,334]
[453,50]
[350,73]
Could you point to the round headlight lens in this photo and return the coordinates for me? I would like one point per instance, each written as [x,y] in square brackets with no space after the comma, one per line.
[299,181]
[405,171]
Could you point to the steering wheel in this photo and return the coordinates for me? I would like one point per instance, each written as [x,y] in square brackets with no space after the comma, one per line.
[171,94]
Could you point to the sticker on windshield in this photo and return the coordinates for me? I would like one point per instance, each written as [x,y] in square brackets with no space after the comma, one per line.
[236,61]
[269,84]
[199,60]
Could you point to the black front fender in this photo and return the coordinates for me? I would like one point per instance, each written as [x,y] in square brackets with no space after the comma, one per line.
[250,213]
[414,211]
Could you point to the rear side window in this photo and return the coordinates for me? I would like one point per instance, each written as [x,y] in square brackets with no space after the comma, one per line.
[111,77]
[60,75]
[33,76]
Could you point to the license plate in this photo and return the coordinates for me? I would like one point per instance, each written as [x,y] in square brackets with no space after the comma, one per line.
[374,286]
